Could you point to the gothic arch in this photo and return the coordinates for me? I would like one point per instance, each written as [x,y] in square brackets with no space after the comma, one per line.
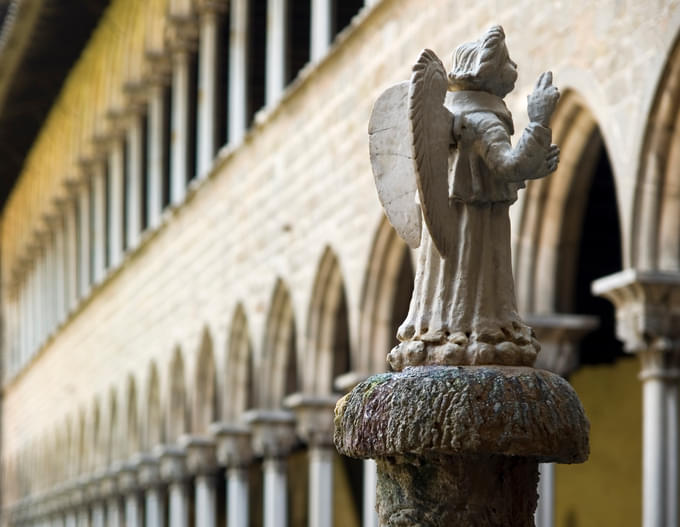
[80,452]
[113,446]
[153,424]
[177,412]
[656,218]
[95,461]
[327,353]
[205,387]
[239,368]
[551,222]
[279,352]
[386,291]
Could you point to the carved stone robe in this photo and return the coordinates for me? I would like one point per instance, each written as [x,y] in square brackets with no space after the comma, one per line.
[463,309]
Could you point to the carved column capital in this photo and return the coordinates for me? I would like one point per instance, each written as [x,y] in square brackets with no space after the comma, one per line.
[314,417]
[200,454]
[172,462]
[647,308]
[127,478]
[148,470]
[181,34]
[159,67]
[273,431]
[559,335]
[233,444]
[212,6]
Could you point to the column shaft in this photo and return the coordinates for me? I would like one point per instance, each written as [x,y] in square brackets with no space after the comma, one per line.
[207,84]
[113,512]
[116,203]
[38,299]
[71,258]
[133,511]
[179,506]
[83,517]
[672,491]
[545,510]
[180,126]
[321,37]
[370,516]
[238,70]
[156,160]
[321,486]
[654,451]
[84,268]
[206,503]
[275,493]
[276,50]
[134,182]
[237,497]
[155,515]
[60,272]
[99,223]
[70,519]
[98,515]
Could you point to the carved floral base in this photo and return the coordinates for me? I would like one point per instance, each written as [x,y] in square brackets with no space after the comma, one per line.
[460,445]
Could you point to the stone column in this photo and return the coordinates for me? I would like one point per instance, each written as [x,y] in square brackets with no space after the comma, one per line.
[238,71]
[109,493]
[71,252]
[314,418]
[80,503]
[559,335]
[202,464]
[209,14]
[159,78]
[182,41]
[97,502]
[99,237]
[148,473]
[321,30]
[135,173]
[129,488]
[233,450]
[116,202]
[173,472]
[273,433]
[84,268]
[648,323]
[276,52]
[60,262]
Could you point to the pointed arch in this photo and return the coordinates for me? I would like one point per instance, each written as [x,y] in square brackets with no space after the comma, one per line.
[177,411]
[132,436]
[153,424]
[656,217]
[205,386]
[95,460]
[552,218]
[279,352]
[239,368]
[80,454]
[386,293]
[327,353]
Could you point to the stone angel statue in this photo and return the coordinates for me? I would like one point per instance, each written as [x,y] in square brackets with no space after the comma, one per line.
[446,174]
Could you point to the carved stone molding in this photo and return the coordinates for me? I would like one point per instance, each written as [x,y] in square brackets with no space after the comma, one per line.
[273,432]
[181,34]
[200,454]
[233,444]
[172,462]
[314,417]
[647,308]
[148,470]
[559,335]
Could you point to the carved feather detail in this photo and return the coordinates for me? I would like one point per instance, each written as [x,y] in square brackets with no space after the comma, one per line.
[431,131]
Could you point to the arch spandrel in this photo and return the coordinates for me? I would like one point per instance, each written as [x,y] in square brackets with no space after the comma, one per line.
[238,368]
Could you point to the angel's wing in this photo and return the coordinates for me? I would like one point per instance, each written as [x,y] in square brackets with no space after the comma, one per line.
[389,140]
[431,129]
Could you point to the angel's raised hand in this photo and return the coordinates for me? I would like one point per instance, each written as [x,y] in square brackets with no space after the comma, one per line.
[542,101]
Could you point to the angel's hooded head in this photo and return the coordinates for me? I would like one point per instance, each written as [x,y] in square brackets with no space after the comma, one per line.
[484,65]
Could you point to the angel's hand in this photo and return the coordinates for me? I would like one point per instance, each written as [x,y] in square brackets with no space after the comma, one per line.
[542,101]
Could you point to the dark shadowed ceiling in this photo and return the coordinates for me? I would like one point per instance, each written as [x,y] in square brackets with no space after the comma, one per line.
[40,40]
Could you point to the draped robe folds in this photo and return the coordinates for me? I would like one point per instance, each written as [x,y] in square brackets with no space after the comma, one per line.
[463,309]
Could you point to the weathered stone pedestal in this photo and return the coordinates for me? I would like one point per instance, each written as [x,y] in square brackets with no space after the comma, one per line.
[460,445]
